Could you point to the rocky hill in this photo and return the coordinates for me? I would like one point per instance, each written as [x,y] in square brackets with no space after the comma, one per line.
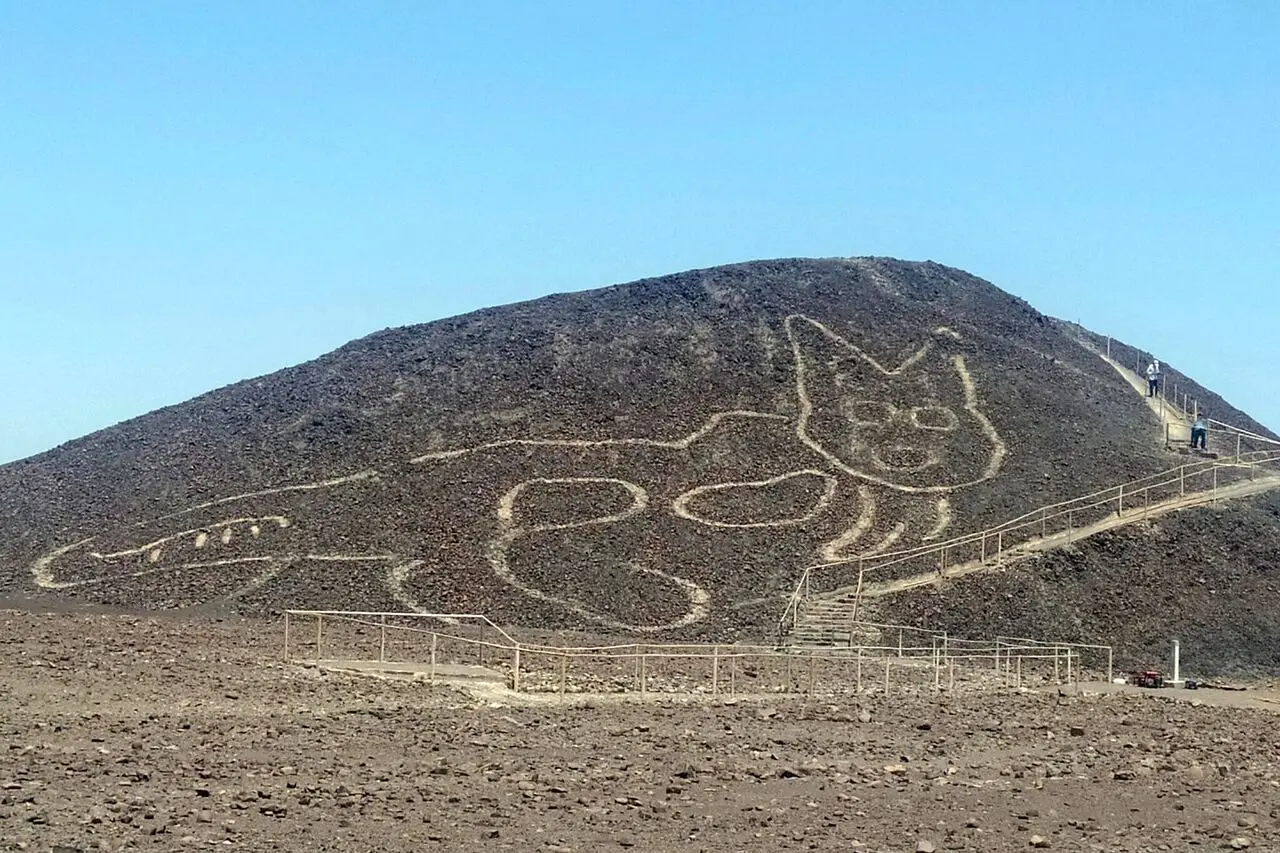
[661,457]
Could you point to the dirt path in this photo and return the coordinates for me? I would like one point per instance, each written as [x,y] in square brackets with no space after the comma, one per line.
[1179,429]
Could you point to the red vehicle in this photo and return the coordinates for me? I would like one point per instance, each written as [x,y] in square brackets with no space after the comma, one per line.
[1146,678]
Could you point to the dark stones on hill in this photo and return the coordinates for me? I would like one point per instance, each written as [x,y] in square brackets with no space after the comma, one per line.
[661,458]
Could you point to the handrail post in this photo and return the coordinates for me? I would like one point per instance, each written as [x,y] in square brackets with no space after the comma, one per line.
[999,548]
[857,597]
[382,640]
[319,634]
[286,635]
[1120,506]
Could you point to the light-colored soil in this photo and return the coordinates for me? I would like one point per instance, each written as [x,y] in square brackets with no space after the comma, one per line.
[161,734]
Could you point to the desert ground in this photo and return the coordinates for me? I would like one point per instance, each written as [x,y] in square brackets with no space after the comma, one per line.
[134,732]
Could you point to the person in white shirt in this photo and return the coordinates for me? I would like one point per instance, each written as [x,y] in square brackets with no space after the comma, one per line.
[1153,378]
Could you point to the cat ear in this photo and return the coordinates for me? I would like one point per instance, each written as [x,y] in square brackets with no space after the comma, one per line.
[815,343]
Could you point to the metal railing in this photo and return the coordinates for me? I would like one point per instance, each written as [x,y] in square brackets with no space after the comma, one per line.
[1048,526]
[920,660]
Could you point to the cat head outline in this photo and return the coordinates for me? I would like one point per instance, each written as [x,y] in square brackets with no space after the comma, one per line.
[914,427]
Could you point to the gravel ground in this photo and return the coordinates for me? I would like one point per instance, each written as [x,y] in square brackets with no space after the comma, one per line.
[160,733]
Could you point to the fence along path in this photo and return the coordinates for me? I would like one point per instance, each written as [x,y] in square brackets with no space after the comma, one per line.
[467,648]
[829,592]
[824,605]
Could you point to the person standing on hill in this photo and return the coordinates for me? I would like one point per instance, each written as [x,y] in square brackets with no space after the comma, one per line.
[1199,430]
[1153,378]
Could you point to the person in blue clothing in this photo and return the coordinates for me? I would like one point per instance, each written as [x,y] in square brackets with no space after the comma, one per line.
[1199,430]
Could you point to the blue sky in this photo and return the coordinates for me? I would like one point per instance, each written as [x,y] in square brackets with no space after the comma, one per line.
[195,193]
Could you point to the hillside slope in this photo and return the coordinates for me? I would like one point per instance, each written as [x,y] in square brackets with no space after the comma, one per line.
[1208,577]
[663,456]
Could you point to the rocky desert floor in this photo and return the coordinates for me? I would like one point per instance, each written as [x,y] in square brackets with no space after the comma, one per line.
[159,733]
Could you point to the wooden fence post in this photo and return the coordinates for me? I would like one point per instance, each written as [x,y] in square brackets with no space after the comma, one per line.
[434,640]
[382,640]
[564,673]
[286,635]
[319,636]
[857,597]
[887,661]
[715,671]
[515,671]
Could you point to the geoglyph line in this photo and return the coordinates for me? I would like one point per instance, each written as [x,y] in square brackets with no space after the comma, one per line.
[943,508]
[400,571]
[225,525]
[670,444]
[999,450]
[681,504]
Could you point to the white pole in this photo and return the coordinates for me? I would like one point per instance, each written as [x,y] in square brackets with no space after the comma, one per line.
[1177,674]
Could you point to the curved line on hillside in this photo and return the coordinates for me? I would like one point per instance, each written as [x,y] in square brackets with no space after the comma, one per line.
[680,506]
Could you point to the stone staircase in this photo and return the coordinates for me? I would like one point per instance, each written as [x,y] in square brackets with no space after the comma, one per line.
[828,622]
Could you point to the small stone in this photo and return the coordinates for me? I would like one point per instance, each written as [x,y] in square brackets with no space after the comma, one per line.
[923,846]
[1240,843]
[1038,841]
[895,769]
[767,713]
[864,716]
[1077,731]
